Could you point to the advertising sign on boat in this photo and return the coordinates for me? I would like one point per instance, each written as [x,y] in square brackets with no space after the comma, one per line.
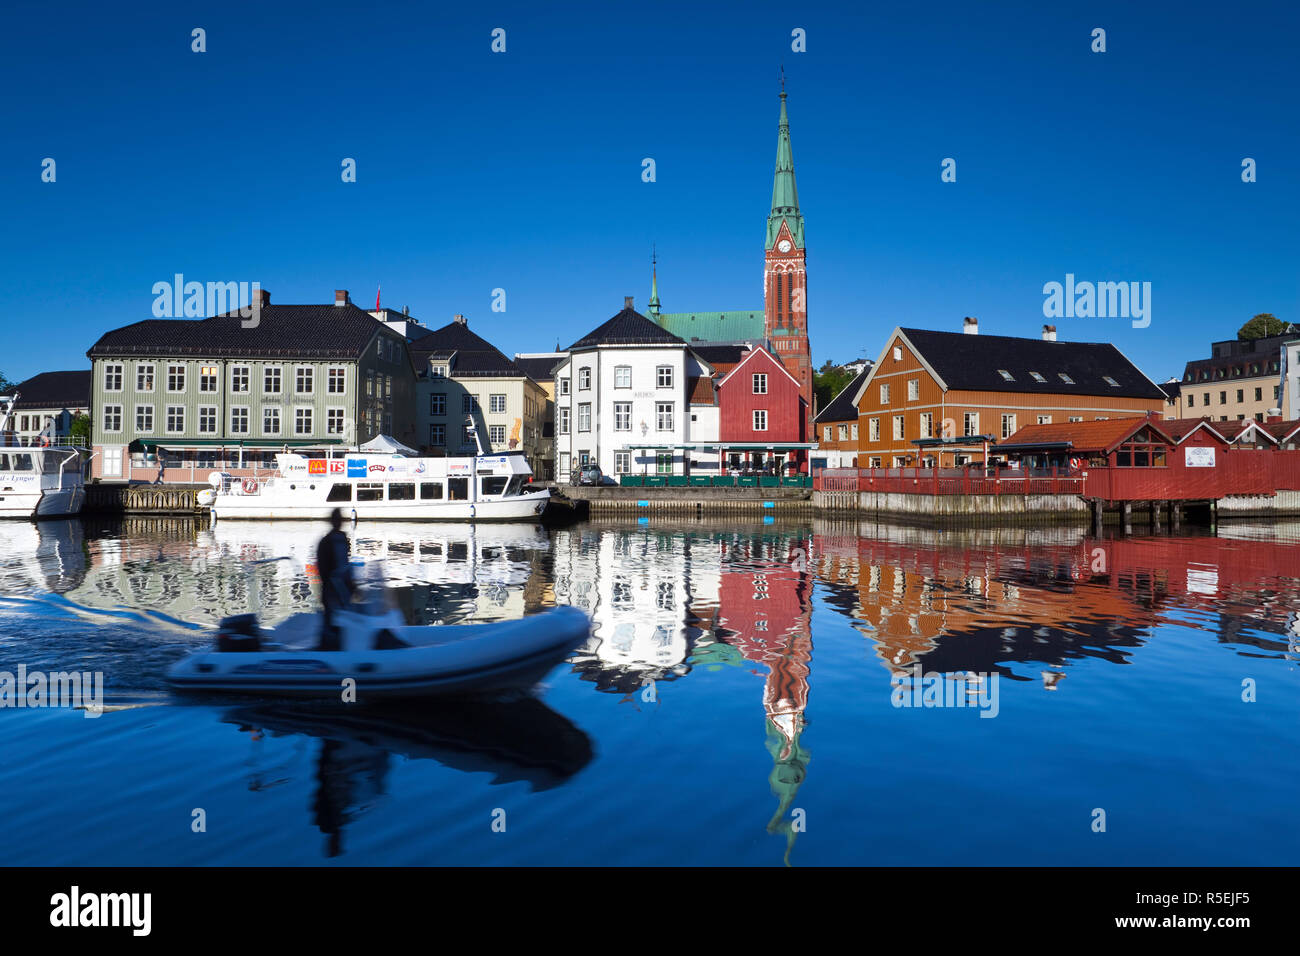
[316,466]
[356,468]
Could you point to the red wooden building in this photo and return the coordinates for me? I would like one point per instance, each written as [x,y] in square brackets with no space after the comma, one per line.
[763,415]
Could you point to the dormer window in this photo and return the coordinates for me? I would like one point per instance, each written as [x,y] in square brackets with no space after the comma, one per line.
[1006,376]
[437,371]
[1110,381]
[1065,378]
[1038,378]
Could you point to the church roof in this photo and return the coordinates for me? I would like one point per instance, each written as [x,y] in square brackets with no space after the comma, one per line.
[785,194]
[740,325]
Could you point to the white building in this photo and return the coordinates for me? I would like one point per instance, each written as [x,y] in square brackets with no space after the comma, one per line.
[623,399]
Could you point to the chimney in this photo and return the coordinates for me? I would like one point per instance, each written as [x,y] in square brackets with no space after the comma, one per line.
[459,319]
[261,298]
[970,325]
[1049,333]
[341,297]
[627,301]
[1273,415]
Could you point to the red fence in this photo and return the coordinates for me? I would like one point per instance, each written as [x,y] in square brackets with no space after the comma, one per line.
[1236,471]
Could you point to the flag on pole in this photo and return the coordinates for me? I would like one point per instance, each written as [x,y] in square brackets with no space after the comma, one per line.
[378,288]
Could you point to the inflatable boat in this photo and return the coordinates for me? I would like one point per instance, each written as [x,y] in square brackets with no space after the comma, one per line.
[382,655]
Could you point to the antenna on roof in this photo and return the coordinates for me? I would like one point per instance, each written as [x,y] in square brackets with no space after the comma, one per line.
[782,77]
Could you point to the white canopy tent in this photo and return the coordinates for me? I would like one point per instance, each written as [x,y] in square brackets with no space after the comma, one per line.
[387,445]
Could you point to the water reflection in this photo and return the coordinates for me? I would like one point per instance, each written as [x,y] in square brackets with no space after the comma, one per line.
[714,609]
[514,739]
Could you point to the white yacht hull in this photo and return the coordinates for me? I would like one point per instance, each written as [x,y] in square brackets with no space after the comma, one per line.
[59,503]
[258,507]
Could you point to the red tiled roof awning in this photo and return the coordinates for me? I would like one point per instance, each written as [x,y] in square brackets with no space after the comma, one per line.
[1088,437]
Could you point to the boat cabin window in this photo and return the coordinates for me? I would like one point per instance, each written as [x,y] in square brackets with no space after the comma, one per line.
[493,486]
[458,489]
[516,485]
[16,462]
[430,490]
[401,491]
[341,491]
[370,491]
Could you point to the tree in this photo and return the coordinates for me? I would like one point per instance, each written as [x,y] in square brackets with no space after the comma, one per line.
[80,427]
[6,386]
[828,383]
[1262,325]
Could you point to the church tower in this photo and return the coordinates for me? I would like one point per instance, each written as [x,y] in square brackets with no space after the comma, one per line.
[785,278]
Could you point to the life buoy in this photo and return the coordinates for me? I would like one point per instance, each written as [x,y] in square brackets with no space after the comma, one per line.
[250,486]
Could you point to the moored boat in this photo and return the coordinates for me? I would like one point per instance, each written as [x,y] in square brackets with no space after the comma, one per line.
[38,481]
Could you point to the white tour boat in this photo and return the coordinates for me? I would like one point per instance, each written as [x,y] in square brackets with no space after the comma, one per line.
[369,486]
[37,481]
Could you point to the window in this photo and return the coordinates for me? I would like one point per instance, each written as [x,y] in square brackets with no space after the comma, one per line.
[562,424]
[1241,395]
[884,394]
[1065,378]
[622,462]
[438,435]
[1205,398]
[760,419]
[112,418]
[497,434]
[208,378]
[873,462]
[468,404]
[564,386]
[493,485]
[622,416]
[497,404]
[1008,425]
[334,421]
[458,489]
[1006,376]
[873,429]
[970,423]
[302,421]
[430,490]
[623,376]
[664,462]
[437,371]
[913,389]
[144,378]
[338,378]
[844,433]
[1191,400]
[207,419]
[664,416]
[438,403]
[370,491]
[1223,398]
[898,427]
[271,380]
[303,381]
[927,425]
[760,383]
[853,431]
[584,417]
[584,378]
[144,419]
[664,376]
[239,420]
[1277,392]
[270,419]
[175,419]
[113,378]
[1259,394]
[339,491]
[401,491]
[826,433]
[898,353]
[1110,381]
[175,378]
[1075,418]
[1044,419]
[239,378]
[1037,378]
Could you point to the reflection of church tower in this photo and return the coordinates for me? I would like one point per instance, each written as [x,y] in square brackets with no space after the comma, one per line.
[785,278]
[766,603]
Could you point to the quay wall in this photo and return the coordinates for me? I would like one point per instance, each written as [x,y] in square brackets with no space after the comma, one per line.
[117,499]
[956,508]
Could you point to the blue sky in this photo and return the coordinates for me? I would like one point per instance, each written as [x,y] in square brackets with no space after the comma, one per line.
[522,170]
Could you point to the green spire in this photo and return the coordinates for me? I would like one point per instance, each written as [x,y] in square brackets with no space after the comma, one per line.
[654,286]
[785,195]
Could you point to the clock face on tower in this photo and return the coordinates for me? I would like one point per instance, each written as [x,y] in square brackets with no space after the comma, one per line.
[783,245]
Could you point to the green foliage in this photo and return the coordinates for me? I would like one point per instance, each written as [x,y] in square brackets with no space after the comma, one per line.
[1261,326]
[80,426]
[829,382]
[6,386]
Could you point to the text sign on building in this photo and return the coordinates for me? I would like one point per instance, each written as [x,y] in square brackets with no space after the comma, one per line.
[1197,457]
